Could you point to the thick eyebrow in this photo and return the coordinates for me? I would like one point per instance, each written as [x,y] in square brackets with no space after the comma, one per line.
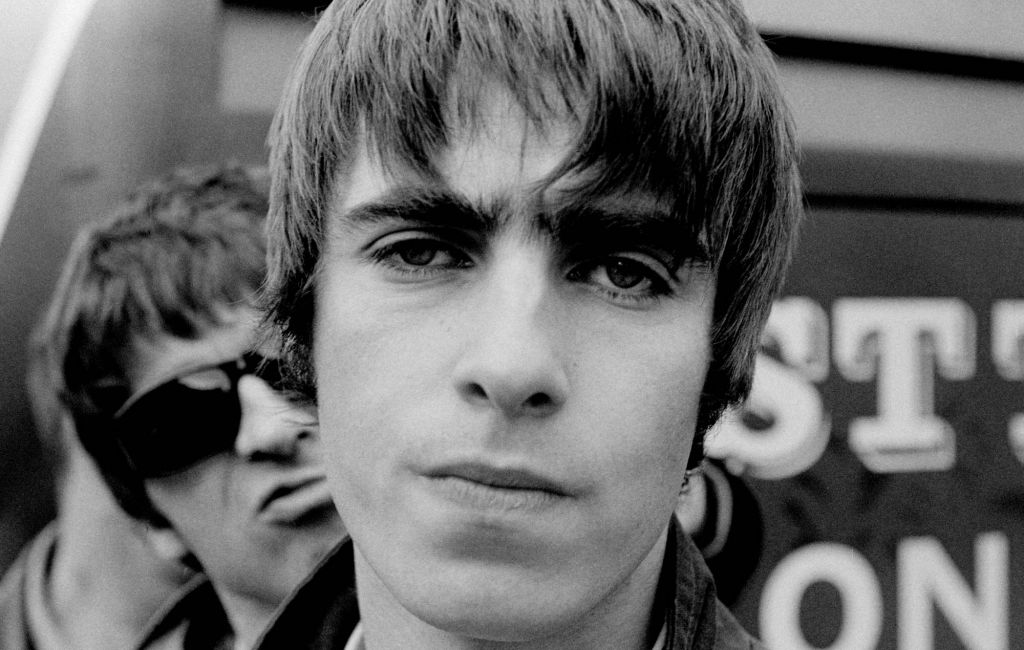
[431,208]
[618,225]
[598,224]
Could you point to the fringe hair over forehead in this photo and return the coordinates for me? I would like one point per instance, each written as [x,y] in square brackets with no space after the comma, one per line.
[674,97]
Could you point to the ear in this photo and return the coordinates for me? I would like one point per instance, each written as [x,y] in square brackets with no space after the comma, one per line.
[167,544]
[692,506]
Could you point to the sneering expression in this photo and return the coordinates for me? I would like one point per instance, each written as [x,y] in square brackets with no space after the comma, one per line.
[508,380]
[257,515]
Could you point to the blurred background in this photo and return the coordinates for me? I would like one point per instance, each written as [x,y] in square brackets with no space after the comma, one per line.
[884,440]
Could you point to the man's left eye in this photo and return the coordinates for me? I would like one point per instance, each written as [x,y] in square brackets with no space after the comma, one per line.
[621,274]
[625,273]
[418,252]
[422,253]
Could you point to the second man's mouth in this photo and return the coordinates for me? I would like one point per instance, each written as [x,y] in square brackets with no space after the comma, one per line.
[292,503]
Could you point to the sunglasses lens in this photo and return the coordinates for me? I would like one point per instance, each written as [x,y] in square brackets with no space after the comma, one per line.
[189,419]
[173,427]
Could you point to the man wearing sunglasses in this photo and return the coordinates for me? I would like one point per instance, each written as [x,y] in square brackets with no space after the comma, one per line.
[88,564]
[152,332]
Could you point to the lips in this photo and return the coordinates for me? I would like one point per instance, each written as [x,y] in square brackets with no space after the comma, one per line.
[291,503]
[486,487]
[497,477]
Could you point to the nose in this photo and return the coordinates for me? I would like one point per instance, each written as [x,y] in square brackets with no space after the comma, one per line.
[271,425]
[512,362]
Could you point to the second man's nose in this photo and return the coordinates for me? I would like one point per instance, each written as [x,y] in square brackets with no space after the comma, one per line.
[271,425]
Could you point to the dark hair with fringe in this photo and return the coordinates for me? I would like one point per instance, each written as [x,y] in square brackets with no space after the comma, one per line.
[165,262]
[675,97]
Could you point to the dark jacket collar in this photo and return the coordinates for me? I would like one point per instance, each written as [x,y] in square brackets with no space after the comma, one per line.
[198,615]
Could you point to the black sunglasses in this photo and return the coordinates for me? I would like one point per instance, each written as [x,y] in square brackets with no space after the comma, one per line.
[171,427]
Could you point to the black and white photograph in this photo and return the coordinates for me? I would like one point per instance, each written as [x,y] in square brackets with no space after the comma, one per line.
[511,324]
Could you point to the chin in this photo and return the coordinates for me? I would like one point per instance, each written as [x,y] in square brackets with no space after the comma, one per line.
[495,607]
[499,624]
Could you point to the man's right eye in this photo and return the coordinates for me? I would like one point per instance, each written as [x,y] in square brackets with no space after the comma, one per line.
[418,255]
[421,253]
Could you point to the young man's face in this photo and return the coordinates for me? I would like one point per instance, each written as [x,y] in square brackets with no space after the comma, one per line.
[508,383]
[260,517]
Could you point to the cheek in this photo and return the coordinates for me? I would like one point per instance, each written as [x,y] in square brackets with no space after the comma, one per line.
[376,354]
[196,499]
[365,368]
[647,395]
[360,363]
[339,398]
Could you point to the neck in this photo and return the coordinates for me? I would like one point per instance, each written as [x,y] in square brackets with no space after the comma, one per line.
[102,570]
[625,618]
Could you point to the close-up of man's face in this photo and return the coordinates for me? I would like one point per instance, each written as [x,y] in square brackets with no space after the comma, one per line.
[508,379]
[255,511]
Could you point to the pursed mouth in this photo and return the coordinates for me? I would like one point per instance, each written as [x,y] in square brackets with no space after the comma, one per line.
[292,502]
[498,478]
